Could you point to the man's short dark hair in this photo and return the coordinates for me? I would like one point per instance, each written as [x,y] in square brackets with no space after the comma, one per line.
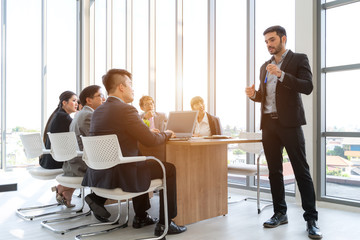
[280,31]
[88,92]
[110,82]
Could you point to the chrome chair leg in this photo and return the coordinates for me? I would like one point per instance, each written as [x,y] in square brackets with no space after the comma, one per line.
[80,236]
[21,212]
[79,213]
[257,199]
[116,221]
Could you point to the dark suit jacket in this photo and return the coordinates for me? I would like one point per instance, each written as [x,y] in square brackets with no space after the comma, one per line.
[59,123]
[116,117]
[297,80]
[215,126]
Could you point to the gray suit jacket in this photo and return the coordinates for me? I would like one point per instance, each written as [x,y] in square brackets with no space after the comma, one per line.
[81,126]
[159,120]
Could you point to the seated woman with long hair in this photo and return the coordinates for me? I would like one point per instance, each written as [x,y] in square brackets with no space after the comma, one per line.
[59,121]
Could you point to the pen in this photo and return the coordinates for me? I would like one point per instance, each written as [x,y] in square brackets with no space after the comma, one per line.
[267,73]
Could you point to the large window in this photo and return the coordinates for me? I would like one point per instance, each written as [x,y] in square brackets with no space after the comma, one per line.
[140,49]
[165,55]
[61,50]
[26,22]
[231,67]
[195,54]
[23,80]
[339,117]
[119,34]
[100,41]
[231,73]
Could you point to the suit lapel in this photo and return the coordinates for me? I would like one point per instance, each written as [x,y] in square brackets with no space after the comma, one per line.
[287,59]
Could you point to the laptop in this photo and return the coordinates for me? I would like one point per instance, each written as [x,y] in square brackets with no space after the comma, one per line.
[182,123]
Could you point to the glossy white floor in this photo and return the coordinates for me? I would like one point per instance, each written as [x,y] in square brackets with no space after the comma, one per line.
[242,221]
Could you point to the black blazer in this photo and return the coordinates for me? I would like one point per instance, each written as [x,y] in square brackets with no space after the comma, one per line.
[59,123]
[116,117]
[297,80]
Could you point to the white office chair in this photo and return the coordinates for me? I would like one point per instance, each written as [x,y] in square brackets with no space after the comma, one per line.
[64,147]
[251,169]
[33,148]
[103,152]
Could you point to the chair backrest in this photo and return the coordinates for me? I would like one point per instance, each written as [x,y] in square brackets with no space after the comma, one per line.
[33,145]
[101,152]
[255,147]
[64,146]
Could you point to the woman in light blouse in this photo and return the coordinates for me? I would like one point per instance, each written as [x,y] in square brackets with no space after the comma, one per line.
[206,124]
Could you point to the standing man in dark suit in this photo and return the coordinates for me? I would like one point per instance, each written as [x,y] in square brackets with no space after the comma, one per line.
[116,116]
[283,79]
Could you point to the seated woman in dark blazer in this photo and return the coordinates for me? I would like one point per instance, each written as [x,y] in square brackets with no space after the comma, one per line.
[59,121]
[206,124]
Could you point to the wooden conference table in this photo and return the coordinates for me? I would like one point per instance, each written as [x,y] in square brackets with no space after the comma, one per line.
[201,168]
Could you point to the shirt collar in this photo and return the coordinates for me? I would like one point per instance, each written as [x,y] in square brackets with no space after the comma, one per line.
[90,108]
[205,119]
[117,98]
[282,57]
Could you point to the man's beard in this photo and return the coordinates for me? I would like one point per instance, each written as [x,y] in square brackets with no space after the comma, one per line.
[278,48]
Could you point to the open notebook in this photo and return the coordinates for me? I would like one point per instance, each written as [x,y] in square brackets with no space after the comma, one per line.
[182,123]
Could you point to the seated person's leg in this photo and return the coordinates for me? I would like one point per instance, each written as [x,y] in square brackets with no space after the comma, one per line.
[141,204]
[156,172]
[96,204]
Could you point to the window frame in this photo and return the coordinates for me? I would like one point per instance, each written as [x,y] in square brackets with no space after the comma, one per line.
[322,70]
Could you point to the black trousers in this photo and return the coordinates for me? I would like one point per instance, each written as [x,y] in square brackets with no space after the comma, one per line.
[275,137]
[142,203]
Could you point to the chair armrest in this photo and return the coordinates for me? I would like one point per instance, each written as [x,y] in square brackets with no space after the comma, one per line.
[133,159]
[161,165]
[144,158]
[46,151]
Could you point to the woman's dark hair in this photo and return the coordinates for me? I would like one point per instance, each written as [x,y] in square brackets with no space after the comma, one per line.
[79,103]
[65,96]
[88,92]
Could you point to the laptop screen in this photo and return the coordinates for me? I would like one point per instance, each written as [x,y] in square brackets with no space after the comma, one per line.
[182,123]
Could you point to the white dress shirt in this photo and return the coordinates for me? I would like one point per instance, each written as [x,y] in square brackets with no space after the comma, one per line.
[202,128]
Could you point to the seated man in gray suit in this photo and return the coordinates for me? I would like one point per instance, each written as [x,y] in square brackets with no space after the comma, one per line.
[156,120]
[90,98]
